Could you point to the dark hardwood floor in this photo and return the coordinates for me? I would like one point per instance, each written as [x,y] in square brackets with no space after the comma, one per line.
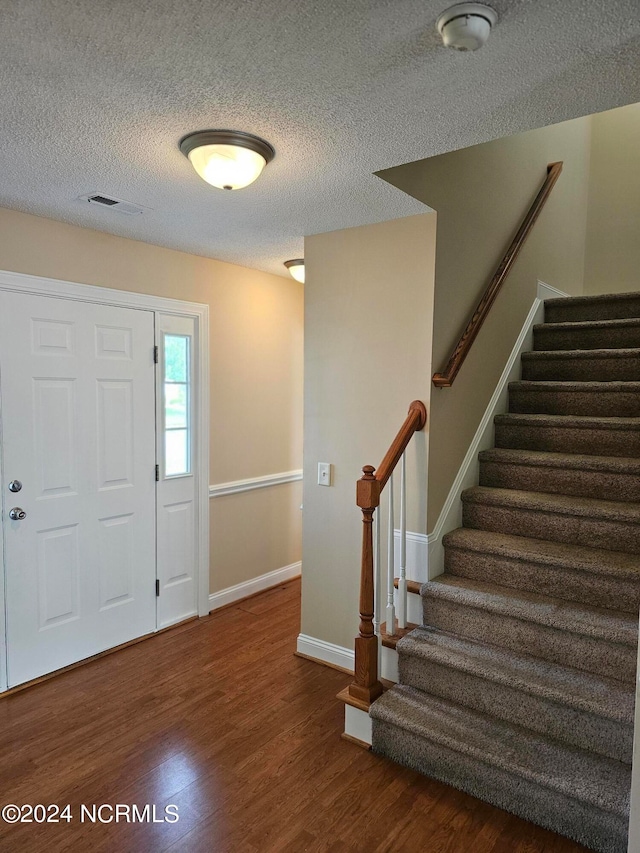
[220,719]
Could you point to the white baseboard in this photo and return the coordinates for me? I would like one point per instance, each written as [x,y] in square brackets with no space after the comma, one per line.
[451,516]
[329,653]
[251,587]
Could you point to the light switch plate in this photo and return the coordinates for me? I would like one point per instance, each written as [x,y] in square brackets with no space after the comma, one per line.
[324,473]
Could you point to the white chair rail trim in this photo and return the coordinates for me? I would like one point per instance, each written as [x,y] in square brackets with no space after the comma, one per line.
[238,486]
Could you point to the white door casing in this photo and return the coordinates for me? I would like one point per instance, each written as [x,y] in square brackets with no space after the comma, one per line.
[78,432]
[198,316]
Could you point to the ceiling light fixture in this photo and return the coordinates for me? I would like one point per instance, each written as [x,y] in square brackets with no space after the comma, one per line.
[227,159]
[296,268]
[466,26]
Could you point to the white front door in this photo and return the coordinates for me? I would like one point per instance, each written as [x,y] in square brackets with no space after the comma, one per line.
[78,432]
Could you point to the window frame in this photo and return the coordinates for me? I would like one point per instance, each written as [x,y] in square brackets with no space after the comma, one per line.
[188,385]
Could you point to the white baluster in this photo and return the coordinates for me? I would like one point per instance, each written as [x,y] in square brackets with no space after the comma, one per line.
[377,580]
[402,580]
[391,613]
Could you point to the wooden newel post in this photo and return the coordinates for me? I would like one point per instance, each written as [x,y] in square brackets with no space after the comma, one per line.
[366,686]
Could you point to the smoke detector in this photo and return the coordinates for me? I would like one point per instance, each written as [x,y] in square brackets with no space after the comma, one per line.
[466,26]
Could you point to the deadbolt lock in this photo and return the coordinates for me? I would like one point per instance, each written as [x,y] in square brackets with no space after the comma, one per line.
[15,486]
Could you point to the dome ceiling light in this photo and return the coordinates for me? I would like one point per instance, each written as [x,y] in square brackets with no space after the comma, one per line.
[466,26]
[227,159]
[296,268]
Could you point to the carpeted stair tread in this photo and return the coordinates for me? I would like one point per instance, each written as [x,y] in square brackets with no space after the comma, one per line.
[619,564]
[550,459]
[575,520]
[601,782]
[609,579]
[581,354]
[580,709]
[632,322]
[607,399]
[607,306]
[622,511]
[587,334]
[596,623]
[601,365]
[574,385]
[564,685]
[600,830]
[569,421]
[603,436]
[615,478]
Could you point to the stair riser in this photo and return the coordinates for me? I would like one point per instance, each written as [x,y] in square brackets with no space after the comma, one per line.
[595,338]
[561,481]
[558,439]
[607,405]
[574,530]
[615,309]
[571,726]
[581,369]
[597,656]
[556,581]
[602,831]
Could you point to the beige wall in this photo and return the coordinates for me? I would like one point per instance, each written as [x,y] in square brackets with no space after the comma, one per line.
[613,225]
[267,524]
[256,328]
[481,194]
[368,321]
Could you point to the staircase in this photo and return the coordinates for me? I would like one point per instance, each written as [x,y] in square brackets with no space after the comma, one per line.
[520,687]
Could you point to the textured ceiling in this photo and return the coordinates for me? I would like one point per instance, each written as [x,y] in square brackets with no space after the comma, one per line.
[96,95]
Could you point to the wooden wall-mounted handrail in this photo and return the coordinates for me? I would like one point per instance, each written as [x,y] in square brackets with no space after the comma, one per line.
[366,686]
[445,379]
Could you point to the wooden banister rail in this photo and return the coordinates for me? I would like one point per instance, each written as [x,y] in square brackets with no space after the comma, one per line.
[366,687]
[445,379]
[414,422]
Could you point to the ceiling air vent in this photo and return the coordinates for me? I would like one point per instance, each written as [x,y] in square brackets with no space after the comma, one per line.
[102,199]
[116,204]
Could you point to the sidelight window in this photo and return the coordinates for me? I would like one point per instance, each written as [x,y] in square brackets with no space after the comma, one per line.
[177,405]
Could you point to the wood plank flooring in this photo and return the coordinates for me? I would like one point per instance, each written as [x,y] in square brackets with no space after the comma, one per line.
[219,718]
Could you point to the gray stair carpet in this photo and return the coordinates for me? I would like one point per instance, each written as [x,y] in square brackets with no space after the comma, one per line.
[519,688]
[615,478]
[608,399]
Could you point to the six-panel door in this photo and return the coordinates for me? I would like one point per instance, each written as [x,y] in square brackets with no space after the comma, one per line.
[78,431]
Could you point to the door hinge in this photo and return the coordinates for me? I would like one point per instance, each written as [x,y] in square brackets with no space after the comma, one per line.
[157,586]
[157,473]
[156,356]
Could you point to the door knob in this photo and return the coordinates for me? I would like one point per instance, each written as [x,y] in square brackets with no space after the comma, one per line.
[15,486]
[17,514]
